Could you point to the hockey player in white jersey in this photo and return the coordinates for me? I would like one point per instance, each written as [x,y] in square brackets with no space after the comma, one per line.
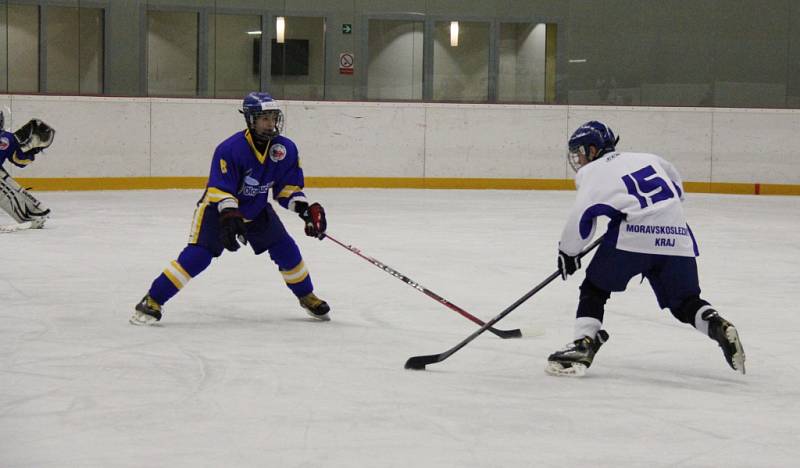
[647,234]
[21,148]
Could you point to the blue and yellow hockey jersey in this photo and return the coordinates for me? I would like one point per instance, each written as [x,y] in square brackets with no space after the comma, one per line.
[10,150]
[243,176]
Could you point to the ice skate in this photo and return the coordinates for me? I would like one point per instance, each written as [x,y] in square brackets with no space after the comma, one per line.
[315,307]
[576,357]
[724,333]
[148,312]
[38,221]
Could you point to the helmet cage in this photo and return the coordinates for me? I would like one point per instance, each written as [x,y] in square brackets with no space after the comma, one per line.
[574,154]
[591,133]
[277,116]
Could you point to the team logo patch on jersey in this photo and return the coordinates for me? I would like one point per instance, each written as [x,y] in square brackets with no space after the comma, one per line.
[277,152]
[252,187]
[4,143]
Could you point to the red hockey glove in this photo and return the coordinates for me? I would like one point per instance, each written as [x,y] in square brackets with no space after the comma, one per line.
[314,217]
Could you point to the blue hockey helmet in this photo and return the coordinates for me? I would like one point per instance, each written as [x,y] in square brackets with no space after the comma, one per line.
[592,133]
[256,104]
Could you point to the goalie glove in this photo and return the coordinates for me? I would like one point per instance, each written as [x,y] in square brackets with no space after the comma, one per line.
[34,136]
[314,217]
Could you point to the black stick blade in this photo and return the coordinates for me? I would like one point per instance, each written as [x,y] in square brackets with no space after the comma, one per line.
[515,333]
[419,362]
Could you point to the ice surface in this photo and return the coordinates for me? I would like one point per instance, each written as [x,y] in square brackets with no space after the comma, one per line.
[237,375]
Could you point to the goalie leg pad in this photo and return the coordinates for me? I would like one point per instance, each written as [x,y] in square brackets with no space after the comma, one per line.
[19,203]
[10,201]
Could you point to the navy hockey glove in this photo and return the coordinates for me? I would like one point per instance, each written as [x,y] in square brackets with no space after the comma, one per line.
[314,217]
[568,264]
[232,229]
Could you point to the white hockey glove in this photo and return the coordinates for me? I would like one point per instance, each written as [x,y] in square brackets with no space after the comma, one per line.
[34,136]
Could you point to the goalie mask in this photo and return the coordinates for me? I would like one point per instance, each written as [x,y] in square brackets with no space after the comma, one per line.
[5,117]
[592,133]
[257,104]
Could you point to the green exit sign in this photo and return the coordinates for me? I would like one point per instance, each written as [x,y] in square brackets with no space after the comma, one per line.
[347,28]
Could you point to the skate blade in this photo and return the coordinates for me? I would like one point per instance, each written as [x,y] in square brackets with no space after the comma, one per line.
[141,319]
[319,318]
[561,370]
[738,357]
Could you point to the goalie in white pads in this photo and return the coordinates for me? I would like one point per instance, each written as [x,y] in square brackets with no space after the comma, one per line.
[647,235]
[21,148]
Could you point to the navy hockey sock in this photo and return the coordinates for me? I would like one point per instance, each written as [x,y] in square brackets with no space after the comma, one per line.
[688,310]
[290,263]
[592,301]
[191,262]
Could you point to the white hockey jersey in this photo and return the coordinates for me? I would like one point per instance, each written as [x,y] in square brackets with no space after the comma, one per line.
[641,194]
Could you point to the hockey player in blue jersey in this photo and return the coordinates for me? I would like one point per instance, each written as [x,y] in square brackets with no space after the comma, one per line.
[647,235]
[21,148]
[235,209]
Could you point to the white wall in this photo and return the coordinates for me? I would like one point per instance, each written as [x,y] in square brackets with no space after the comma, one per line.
[137,137]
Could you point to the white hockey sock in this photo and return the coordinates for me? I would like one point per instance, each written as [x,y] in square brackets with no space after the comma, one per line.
[699,323]
[587,326]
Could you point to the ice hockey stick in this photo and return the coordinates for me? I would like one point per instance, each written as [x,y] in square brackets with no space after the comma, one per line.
[419,362]
[515,333]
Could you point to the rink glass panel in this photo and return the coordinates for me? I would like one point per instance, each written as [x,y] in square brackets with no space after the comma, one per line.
[172,53]
[74,55]
[461,72]
[234,54]
[620,52]
[394,71]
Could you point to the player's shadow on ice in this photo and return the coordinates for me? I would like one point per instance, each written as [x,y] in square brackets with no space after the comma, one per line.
[663,375]
[200,320]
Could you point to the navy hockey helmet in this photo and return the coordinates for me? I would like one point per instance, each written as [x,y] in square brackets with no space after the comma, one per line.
[592,133]
[256,104]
